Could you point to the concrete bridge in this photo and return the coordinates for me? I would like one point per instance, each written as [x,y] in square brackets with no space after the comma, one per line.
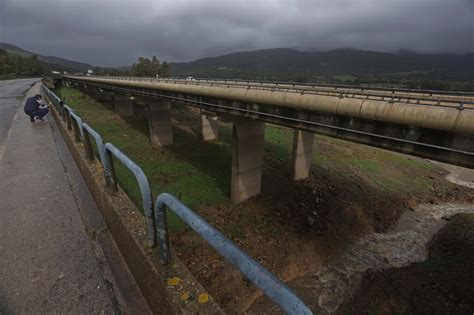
[430,124]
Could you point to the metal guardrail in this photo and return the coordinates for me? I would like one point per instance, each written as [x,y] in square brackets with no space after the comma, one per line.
[111,150]
[62,110]
[88,131]
[76,126]
[67,110]
[157,227]
[273,287]
[52,97]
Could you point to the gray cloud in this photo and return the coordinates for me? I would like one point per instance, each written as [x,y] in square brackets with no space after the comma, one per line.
[116,32]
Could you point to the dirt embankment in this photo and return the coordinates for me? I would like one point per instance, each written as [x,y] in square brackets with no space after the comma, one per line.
[443,284]
[293,228]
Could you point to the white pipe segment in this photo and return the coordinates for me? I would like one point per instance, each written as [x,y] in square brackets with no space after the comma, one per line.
[426,114]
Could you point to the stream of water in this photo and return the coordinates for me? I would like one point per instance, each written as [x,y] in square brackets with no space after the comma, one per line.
[325,290]
[406,244]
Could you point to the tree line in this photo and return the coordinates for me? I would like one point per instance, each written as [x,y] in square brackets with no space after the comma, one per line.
[16,65]
[145,67]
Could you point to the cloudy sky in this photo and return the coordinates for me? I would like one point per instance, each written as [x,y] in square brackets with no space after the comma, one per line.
[116,32]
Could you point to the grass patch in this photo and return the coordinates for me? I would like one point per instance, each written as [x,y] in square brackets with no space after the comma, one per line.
[345,77]
[199,172]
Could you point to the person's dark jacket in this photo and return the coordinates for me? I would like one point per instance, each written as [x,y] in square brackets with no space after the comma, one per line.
[31,104]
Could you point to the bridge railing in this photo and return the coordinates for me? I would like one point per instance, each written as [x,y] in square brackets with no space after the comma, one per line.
[142,180]
[88,132]
[76,125]
[56,102]
[67,110]
[273,287]
[155,215]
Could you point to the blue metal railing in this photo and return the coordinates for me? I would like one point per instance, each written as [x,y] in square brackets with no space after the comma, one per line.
[87,132]
[142,180]
[270,285]
[67,111]
[62,110]
[51,96]
[77,125]
[273,287]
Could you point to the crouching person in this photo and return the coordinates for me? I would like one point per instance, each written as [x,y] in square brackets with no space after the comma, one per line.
[35,108]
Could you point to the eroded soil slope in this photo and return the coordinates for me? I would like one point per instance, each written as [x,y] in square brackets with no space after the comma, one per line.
[443,284]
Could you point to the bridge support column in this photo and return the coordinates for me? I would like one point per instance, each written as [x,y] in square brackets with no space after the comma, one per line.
[302,153]
[160,122]
[101,97]
[123,105]
[140,107]
[247,159]
[209,126]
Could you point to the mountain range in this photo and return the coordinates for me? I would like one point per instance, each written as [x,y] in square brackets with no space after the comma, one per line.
[55,62]
[292,64]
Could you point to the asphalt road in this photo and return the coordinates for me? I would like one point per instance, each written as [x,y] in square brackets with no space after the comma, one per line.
[11,94]
[56,254]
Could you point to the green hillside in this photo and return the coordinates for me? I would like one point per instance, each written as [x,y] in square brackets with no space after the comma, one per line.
[58,63]
[291,64]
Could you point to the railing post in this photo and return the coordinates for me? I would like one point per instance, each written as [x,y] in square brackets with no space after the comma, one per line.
[68,119]
[143,183]
[88,145]
[162,232]
[270,285]
[77,134]
[63,110]
[109,172]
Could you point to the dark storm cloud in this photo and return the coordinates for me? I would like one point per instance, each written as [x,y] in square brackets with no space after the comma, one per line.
[115,32]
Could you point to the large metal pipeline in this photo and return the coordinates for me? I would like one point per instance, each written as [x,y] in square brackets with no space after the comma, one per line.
[337,89]
[432,95]
[433,115]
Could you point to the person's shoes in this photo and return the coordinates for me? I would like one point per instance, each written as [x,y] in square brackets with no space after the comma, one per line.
[39,119]
[32,119]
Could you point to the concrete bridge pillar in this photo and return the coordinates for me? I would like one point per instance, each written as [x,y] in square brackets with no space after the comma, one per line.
[247,158]
[100,96]
[209,126]
[123,105]
[140,106]
[160,122]
[302,154]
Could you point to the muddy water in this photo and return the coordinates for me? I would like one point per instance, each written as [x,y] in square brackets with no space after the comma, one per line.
[325,290]
[334,283]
